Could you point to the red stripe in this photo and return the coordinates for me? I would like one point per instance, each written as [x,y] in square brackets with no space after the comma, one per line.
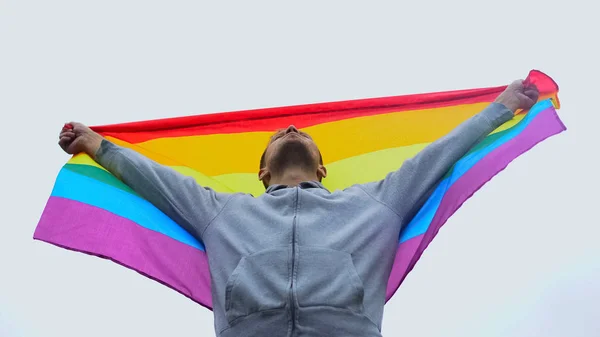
[268,124]
[302,116]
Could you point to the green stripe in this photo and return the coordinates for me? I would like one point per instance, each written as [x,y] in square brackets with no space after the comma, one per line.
[100,175]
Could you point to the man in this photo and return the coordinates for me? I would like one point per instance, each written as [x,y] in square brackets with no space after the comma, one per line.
[299,260]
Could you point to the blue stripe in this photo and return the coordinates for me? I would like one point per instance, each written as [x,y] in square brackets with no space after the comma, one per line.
[420,223]
[84,189]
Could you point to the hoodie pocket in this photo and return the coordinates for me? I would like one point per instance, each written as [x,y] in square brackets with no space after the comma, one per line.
[327,277]
[258,283]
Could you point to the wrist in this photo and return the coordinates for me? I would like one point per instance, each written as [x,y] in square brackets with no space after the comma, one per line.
[509,104]
[93,145]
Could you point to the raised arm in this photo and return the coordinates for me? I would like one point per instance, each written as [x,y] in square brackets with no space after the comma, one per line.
[176,195]
[407,189]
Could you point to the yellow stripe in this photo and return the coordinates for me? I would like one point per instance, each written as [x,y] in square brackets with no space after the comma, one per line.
[358,170]
[84,159]
[203,180]
[214,154]
[240,152]
[361,169]
[165,158]
[242,182]
[510,123]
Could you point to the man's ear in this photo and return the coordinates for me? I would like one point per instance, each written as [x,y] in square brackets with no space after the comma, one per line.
[321,172]
[264,175]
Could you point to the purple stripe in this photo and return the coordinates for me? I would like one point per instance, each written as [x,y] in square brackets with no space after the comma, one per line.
[546,124]
[406,250]
[84,228]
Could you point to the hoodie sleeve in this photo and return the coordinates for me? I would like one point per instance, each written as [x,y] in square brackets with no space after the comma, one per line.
[406,189]
[178,196]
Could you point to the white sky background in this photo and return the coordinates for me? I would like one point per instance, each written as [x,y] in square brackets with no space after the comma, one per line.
[521,258]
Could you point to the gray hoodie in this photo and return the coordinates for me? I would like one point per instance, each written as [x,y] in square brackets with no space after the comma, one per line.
[302,260]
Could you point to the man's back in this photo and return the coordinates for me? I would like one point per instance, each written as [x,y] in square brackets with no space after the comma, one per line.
[300,261]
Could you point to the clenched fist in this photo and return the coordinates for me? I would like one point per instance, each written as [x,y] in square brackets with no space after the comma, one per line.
[75,138]
[519,95]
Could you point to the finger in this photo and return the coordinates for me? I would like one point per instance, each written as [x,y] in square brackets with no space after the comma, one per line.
[531,88]
[517,84]
[72,146]
[64,142]
[528,102]
[71,126]
[532,94]
[530,85]
[76,126]
[70,134]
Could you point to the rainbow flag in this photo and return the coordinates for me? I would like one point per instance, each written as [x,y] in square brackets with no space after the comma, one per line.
[93,212]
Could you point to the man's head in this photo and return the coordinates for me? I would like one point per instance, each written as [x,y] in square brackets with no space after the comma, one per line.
[291,157]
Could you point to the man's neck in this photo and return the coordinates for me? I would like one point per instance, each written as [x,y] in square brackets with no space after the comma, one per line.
[292,178]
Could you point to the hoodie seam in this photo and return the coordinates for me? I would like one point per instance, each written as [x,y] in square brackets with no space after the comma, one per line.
[216,215]
[380,202]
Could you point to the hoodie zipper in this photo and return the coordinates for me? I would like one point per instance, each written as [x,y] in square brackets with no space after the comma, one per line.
[291,292]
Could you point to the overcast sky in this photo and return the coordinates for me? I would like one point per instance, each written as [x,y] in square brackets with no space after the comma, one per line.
[520,258]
